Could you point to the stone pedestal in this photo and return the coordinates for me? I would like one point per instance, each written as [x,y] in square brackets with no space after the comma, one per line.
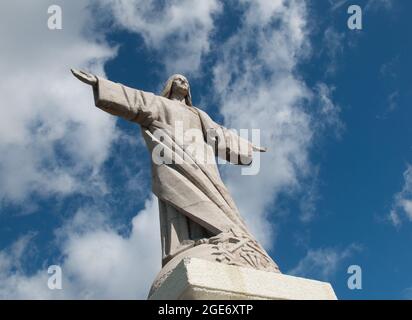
[196,279]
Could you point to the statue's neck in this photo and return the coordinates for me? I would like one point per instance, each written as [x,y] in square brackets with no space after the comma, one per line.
[178,97]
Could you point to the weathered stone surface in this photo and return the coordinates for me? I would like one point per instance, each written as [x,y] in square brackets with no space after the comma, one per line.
[205,280]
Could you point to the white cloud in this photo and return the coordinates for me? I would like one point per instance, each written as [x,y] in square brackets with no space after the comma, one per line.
[393,100]
[104,264]
[178,30]
[98,262]
[256,81]
[337,4]
[323,263]
[50,133]
[394,218]
[333,43]
[12,277]
[328,112]
[390,69]
[402,202]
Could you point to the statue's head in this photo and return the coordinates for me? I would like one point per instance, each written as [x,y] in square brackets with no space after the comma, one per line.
[178,84]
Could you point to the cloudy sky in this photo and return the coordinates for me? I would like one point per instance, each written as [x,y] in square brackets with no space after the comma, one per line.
[332,104]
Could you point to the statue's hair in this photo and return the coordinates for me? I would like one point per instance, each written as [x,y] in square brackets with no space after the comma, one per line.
[167,90]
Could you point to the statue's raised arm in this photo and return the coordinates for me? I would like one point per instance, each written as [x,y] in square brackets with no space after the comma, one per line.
[119,100]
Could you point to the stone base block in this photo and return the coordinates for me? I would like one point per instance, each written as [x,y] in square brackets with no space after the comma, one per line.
[196,279]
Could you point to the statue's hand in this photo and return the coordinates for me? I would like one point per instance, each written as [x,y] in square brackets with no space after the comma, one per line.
[85,76]
[259,149]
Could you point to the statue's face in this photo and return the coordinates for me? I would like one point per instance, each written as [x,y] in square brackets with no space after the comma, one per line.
[180,86]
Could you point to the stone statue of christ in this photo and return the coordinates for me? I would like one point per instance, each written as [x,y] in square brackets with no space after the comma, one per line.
[198,217]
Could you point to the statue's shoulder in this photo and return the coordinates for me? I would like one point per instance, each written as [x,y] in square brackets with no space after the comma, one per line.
[202,115]
[200,112]
[206,120]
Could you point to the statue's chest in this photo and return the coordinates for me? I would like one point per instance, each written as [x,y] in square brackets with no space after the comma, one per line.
[181,117]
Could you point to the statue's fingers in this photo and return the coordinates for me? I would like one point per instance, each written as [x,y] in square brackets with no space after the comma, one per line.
[84,76]
[89,76]
[78,74]
[259,149]
[74,72]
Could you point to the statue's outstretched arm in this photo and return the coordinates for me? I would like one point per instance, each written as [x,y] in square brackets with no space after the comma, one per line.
[119,100]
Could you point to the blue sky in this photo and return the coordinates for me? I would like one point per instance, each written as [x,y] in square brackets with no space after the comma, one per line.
[332,104]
